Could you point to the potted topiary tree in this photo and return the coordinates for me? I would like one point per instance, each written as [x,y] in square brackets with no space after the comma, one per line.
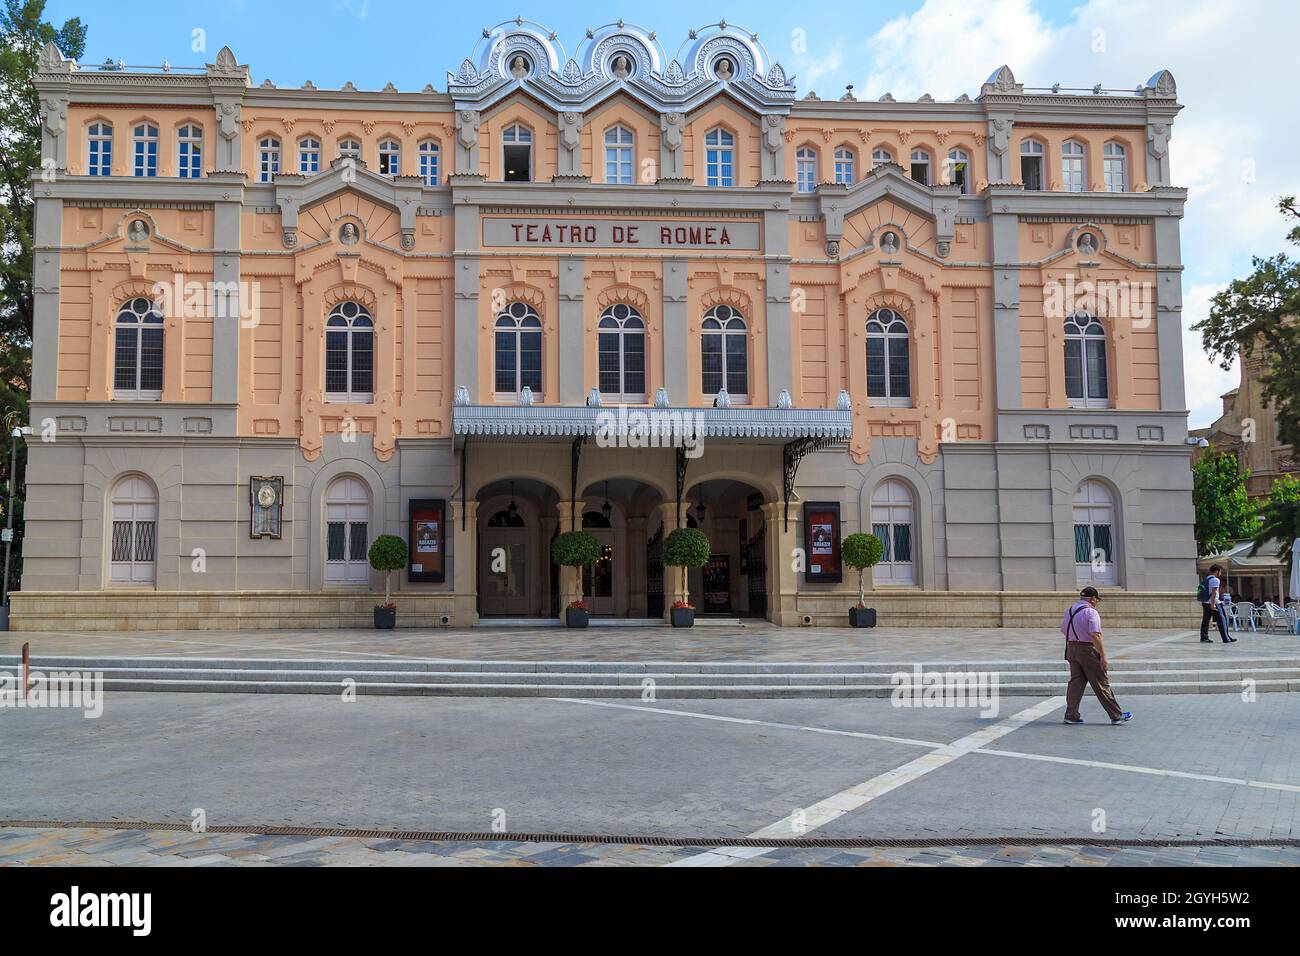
[685,548]
[862,551]
[387,554]
[576,549]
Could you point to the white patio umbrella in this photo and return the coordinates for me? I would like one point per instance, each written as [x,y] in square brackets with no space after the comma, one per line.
[1295,570]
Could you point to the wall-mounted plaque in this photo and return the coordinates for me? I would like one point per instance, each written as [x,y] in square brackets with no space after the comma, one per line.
[428,540]
[266,495]
[822,541]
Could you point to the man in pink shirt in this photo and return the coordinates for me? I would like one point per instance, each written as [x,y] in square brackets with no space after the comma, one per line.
[1087,656]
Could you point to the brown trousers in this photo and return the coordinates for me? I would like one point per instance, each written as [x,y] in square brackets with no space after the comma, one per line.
[1085,668]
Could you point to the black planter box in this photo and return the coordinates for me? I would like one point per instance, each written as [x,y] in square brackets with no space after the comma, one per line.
[862,617]
[385,618]
[4,617]
[683,617]
[576,617]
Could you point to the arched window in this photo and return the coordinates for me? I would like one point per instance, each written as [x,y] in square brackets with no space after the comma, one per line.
[390,158]
[517,153]
[619,149]
[347,532]
[1031,164]
[349,354]
[133,512]
[99,149]
[518,350]
[1094,534]
[1072,166]
[189,151]
[145,141]
[1086,382]
[921,166]
[720,157]
[805,164]
[845,161]
[268,159]
[429,162]
[893,521]
[621,351]
[349,148]
[959,169]
[889,366]
[880,156]
[138,351]
[724,353]
[309,156]
[1114,160]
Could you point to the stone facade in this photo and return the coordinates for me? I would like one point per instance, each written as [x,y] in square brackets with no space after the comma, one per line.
[382,298]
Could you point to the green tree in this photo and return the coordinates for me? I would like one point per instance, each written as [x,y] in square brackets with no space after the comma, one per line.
[1257,317]
[23,34]
[862,551]
[1224,513]
[1280,518]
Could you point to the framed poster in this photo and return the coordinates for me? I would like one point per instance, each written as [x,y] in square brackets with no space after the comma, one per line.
[266,500]
[427,530]
[717,584]
[821,540]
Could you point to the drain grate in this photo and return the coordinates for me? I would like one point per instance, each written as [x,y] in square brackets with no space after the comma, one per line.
[809,843]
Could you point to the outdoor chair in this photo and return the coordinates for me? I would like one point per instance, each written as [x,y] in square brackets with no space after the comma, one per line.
[1272,616]
[1244,613]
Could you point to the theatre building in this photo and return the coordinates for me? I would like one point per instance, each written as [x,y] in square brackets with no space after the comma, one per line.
[626,287]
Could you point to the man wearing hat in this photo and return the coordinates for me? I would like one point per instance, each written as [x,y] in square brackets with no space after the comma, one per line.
[1087,656]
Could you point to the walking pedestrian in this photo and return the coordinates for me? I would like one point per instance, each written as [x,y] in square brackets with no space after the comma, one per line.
[1086,653]
[1212,607]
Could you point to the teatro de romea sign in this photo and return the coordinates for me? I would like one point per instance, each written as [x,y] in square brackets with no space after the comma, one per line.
[567,233]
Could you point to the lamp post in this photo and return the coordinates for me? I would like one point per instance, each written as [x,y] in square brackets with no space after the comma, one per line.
[17,434]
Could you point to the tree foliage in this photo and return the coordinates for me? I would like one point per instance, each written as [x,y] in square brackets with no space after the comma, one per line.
[387,553]
[1259,317]
[1224,513]
[686,548]
[23,33]
[1280,518]
[575,549]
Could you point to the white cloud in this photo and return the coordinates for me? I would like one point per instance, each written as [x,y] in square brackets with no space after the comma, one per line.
[1233,67]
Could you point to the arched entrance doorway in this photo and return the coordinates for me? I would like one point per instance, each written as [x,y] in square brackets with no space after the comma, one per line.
[624,515]
[516,521]
[735,581]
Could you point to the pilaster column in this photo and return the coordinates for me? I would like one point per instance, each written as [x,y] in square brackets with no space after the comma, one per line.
[675,337]
[465,334]
[1168,306]
[225,324]
[572,339]
[780,336]
[464,557]
[45,282]
[1006,311]
[782,580]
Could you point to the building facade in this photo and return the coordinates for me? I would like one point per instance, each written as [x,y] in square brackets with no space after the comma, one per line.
[619,289]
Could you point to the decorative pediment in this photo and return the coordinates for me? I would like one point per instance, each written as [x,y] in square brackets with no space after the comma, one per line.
[294,193]
[889,182]
[522,55]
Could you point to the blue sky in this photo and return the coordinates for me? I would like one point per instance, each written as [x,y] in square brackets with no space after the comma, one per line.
[1234,144]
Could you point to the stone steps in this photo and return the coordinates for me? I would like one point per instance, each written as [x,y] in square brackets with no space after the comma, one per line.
[631,679]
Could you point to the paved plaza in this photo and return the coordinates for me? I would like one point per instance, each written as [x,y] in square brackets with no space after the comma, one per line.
[1189,767]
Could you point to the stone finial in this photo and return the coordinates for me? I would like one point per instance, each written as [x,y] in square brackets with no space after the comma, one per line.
[661,398]
[723,399]
[51,60]
[525,396]
[784,400]
[842,402]
[462,395]
[1161,85]
[594,400]
[1002,81]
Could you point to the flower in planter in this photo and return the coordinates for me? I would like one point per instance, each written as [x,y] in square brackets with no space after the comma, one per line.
[579,605]
[683,606]
[390,606]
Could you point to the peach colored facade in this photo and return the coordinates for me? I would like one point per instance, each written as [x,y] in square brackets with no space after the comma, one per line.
[980,433]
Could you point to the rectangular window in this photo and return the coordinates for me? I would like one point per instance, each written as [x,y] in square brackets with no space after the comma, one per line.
[335,536]
[1114,174]
[1098,387]
[151,360]
[618,165]
[146,157]
[737,365]
[876,368]
[530,360]
[900,387]
[881,531]
[101,157]
[505,363]
[921,173]
[711,356]
[336,362]
[1072,173]
[1031,172]
[634,365]
[518,162]
[1074,369]
[1082,546]
[608,360]
[720,167]
[358,541]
